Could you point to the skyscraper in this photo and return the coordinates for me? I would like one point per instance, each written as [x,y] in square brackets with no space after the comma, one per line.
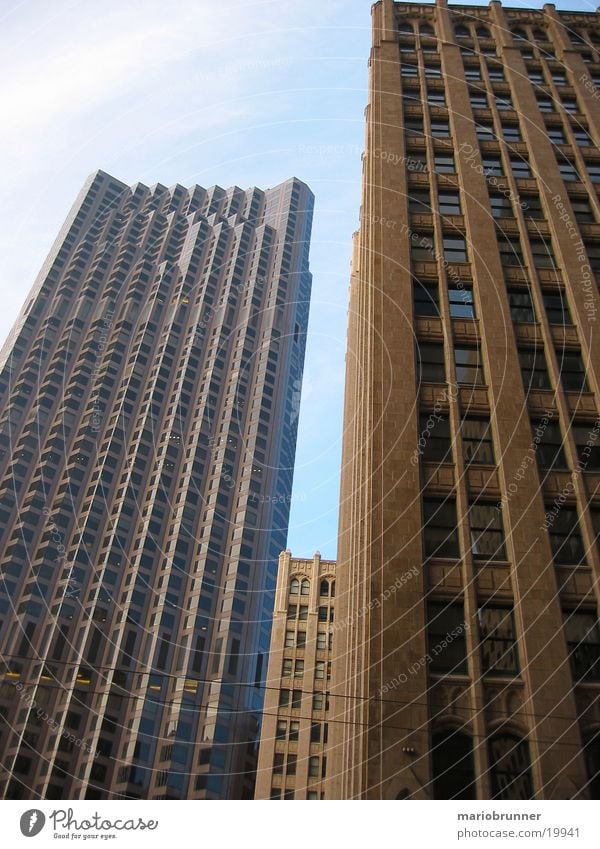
[468,563]
[148,417]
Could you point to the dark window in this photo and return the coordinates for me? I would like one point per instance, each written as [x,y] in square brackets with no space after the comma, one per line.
[533,369]
[453,766]
[565,536]
[501,206]
[498,644]
[587,441]
[449,203]
[469,368]
[543,255]
[583,644]
[548,443]
[511,133]
[568,172]
[413,126]
[425,297]
[510,767]
[440,531]
[520,168]
[439,129]
[485,132]
[446,642]
[419,201]
[478,446]
[521,307]
[557,308]
[421,249]
[435,441]
[582,210]
[532,207]
[487,533]
[492,166]
[510,251]
[430,363]
[572,372]
[444,163]
[556,135]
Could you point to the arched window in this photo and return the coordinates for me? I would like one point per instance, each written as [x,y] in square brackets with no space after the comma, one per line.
[332,592]
[461,32]
[483,32]
[406,29]
[294,586]
[305,587]
[519,34]
[324,589]
[510,767]
[453,767]
[425,29]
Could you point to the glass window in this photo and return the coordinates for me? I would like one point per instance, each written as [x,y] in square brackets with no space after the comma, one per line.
[532,207]
[492,166]
[278,763]
[582,137]
[568,172]
[570,106]
[446,642]
[469,368]
[430,363]
[413,126]
[419,201]
[583,644]
[510,767]
[533,368]
[449,203]
[536,77]
[556,135]
[455,249]
[444,163]
[557,308]
[294,731]
[496,74]
[409,70]
[435,441]
[478,446]
[543,255]
[572,373]
[461,302]
[425,298]
[521,307]
[594,172]
[503,102]
[501,206]
[433,72]
[417,162]
[587,442]
[498,644]
[313,767]
[520,168]
[281,733]
[582,210]
[472,73]
[545,104]
[294,586]
[478,101]
[511,133]
[439,531]
[296,698]
[558,79]
[548,443]
[289,639]
[421,249]
[286,670]
[440,129]
[485,132]
[321,640]
[436,98]
[487,533]
[565,536]
[461,32]
[305,587]
[453,766]
[292,760]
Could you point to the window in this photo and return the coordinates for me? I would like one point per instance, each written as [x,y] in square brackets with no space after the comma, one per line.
[449,203]
[497,636]
[511,133]
[521,307]
[305,587]
[483,32]
[492,166]
[444,163]
[582,210]
[478,101]
[472,73]
[421,249]
[587,442]
[319,670]
[281,732]
[583,644]
[556,135]
[413,126]
[455,249]
[565,536]
[532,207]
[570,106]
[286,670]
[439,530]
[461,302]
[289,639]
[434,440]
[436,98]
[496,74]
[545,104]
[469,368]
[501,206]
[548,443]
[558,79]
[294,586]
[313,767]
[535,77]
[433,72]
[296,698]
[520,168]
[417,162]
[430,363]
[322,640]
[510,251]
[453,766]
[291,764]
[487,533]
[572,373]
[446,642]
[478,446]
[557,309]
[510,767]
[582,137]
[409,71]
[568,172]
[485,132]
[461,32]
[278,764]
[324,588]
[504,102]
[425,298]
[533,369]
[294,731]
[419,201]
[594,172]
[440,129]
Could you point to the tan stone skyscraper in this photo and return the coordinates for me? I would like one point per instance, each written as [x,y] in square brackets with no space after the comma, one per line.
[148,414]
[468,568]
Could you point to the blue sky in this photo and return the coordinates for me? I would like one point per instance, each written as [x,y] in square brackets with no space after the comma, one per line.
[198,91]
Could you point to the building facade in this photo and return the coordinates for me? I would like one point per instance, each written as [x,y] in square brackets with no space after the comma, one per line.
[468,562]
[294,739]
[148,415]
